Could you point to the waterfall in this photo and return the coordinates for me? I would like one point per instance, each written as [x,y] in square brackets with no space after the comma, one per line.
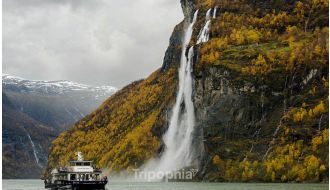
[204,33]
[215,12]
[208,14]
[320,122]
[178,138]
[33,148]
[178,152]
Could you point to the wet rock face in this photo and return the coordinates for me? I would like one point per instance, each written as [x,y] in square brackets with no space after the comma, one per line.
[231,116]
[173,52]
[187,8]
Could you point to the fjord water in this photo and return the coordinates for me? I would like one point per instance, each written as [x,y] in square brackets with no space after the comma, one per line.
[124,185]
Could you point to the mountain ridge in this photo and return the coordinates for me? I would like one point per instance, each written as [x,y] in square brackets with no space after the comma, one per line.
[56,87]
[34,113]
[55,103]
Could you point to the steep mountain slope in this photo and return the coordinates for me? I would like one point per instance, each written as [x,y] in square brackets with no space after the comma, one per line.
[55,103]
[120,133]
[34,113]
[25,143]
[262,91]
[260,97]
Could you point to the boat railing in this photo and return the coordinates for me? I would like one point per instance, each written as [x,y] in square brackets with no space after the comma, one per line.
[97,170]
[63,169]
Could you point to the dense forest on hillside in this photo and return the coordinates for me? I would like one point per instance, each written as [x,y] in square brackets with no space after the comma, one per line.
[272,55]
[119,134]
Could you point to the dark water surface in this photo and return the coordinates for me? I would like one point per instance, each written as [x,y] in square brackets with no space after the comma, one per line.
[124,185]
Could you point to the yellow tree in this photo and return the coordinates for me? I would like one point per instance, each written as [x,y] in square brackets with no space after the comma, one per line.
[253,36]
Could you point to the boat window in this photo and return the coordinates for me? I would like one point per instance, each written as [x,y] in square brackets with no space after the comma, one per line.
[62,177]
[87,164]
[72,177]
[78,163]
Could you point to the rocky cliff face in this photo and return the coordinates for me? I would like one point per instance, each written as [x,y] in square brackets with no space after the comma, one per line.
[25,143]
[260,96]
[237,118]
[188,8]
[247,110]
[173,52]
[242,120]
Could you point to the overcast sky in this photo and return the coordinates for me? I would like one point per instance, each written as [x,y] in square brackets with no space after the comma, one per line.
[97,42]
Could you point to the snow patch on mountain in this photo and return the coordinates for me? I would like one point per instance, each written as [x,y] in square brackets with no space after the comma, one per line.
[53,87]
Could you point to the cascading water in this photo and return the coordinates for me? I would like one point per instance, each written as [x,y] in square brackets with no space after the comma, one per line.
[215,12]
[33,148]
[208,14]
[204,34]
[178,152]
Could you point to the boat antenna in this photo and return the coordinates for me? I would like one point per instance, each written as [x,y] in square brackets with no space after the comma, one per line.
[80,156]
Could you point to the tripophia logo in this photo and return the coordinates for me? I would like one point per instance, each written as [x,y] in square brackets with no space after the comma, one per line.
[177,175]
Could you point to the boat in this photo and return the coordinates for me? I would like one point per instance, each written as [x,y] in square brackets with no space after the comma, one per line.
[77,175]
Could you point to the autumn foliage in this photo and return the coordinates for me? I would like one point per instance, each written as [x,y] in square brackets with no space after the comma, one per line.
[118,135]
[275,43]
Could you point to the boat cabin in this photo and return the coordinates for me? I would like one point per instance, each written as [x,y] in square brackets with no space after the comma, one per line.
[77,171]
[79,174]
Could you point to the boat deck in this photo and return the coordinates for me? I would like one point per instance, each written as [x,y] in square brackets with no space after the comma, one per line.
[76,185]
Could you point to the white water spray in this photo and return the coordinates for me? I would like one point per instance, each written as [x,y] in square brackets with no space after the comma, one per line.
[179,152]
[204,33]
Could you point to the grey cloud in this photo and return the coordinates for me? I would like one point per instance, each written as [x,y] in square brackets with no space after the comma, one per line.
[99,42]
